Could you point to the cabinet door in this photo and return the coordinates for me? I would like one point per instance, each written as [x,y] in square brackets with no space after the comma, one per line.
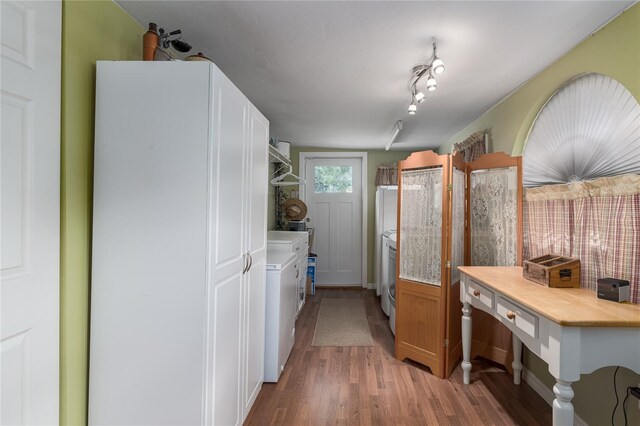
[258,158]
[255,214]
[255,284]
[227,183]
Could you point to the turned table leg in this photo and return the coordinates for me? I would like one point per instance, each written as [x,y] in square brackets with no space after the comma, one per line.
[466,342]
[517,358]
[562,407]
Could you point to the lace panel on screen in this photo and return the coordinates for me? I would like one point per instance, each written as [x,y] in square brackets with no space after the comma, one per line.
[494,224]
[457,225]
[421,225]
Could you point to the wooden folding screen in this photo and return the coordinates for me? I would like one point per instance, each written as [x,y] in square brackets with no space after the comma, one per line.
[428,308]
[491,339]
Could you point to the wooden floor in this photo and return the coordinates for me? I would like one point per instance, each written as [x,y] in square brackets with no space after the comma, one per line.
[367,385]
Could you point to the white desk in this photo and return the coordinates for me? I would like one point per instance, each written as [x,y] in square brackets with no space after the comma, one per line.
[571,329]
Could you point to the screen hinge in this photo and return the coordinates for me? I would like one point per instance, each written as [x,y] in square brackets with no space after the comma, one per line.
[448,264]
[446,343]
[450,187]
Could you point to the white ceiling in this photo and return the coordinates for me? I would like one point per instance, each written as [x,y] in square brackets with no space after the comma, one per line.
[335,74]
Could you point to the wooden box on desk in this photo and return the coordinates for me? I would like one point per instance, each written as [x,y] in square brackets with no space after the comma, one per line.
[553,271]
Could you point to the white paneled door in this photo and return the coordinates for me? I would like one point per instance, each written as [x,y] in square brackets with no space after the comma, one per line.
[333,194]
[30,206]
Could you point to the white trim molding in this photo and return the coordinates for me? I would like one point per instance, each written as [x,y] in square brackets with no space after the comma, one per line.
[302,171]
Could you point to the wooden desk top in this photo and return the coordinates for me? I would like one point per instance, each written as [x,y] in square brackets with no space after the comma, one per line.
[576,307]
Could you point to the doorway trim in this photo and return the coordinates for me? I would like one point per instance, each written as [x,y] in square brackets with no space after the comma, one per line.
[302,169]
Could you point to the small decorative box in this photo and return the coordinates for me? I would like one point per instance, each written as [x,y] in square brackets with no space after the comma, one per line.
[553,270]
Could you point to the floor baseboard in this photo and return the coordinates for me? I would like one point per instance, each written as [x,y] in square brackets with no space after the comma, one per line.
[546,393]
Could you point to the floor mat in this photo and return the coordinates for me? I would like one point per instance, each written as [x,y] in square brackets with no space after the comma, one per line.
[342,322]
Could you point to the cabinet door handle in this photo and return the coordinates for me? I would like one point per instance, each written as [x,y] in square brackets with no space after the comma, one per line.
[511,315]
[250,261]
[476,293]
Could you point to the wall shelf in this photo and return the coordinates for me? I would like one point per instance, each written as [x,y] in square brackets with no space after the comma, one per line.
[276,156]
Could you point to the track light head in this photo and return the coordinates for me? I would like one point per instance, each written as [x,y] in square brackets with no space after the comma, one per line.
[181,46]
[419,97]
[437,65]
[431,83]
[412,108]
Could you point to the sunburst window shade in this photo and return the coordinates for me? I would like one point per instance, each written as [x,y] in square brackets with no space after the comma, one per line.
[589,128]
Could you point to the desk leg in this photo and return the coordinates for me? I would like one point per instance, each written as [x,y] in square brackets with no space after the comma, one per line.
[466,342]
[562,407]
[517,358]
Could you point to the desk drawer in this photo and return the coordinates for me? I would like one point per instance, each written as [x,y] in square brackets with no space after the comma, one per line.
[520,317]
[300,244]
[481,293]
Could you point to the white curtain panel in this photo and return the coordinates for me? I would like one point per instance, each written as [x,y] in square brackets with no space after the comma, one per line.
[589,128]
[494,224]
[457,226]
[421,226]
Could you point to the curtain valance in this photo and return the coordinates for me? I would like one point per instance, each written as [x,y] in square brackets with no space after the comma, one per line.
[472,147]
[387,174]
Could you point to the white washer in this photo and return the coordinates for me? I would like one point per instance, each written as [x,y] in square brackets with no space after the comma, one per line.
[391,293]
[280,312]
[296,242]
[384,263]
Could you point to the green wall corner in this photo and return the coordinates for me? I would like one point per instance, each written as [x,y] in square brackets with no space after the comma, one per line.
[91,31]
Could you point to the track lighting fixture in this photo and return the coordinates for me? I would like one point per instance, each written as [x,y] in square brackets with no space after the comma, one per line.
[436,66]
[173,39]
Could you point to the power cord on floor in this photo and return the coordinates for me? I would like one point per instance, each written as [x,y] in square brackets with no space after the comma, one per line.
[624,404]
[615,389]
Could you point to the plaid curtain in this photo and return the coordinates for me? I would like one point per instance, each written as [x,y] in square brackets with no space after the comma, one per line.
[387,174]
[597,222]
[472,147]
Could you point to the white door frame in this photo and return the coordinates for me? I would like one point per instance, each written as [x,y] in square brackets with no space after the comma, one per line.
[302,169]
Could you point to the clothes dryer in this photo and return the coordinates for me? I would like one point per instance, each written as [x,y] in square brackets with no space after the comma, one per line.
[384,261]
[391,295]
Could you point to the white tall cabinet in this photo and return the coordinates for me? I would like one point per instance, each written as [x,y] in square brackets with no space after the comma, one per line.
[179,246]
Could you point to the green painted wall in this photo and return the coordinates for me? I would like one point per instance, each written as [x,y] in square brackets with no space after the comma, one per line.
[374,157]
[613,51]
[91,31]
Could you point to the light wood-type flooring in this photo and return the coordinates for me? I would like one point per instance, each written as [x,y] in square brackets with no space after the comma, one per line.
[367,385]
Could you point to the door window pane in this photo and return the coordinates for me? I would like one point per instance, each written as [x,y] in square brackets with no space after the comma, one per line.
[333,179]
